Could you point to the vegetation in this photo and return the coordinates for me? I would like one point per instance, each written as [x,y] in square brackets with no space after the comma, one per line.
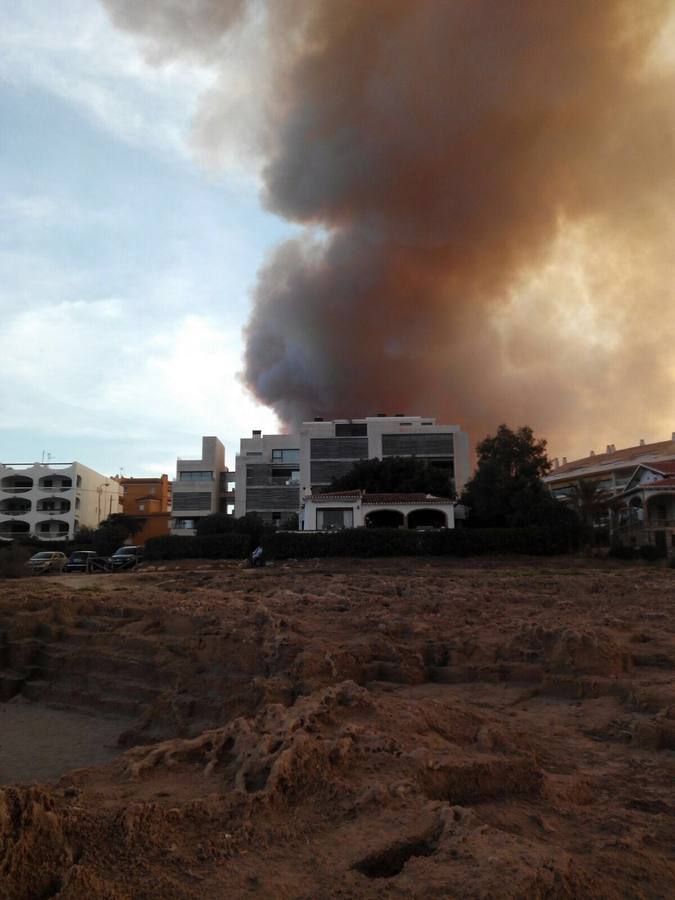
[113,532]
[507,490]
[212,546]
[219,523]
[13,559]
[378,542]
[395,474]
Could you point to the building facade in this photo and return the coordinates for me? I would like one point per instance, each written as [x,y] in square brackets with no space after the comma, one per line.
[148,500]
[643,514]
[274,473]
[335,511]
[267,477]
[54,501]
[200,488]
[329,449]
[612,469]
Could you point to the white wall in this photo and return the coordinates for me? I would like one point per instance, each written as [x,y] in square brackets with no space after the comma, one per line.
[92,499]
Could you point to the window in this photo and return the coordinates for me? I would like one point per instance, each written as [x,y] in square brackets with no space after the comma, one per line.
[77,503]
[141,506]
[334,519]
[351,429]
[195,476]
[184,523]
[152,491]
[276,517]
[286,455]
[48,482]
[79,481]
[254,452]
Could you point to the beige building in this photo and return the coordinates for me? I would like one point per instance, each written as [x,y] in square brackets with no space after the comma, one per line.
[612,469]
[54,501]
[643,514]
[267,477]
[201,487]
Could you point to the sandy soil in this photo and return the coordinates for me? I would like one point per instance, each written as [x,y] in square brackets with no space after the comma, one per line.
[410,728]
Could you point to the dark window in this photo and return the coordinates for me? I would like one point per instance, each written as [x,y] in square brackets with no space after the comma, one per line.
[351,429]
[339,448]
[195,476]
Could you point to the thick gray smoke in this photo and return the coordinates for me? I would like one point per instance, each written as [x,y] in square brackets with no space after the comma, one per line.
[488,192]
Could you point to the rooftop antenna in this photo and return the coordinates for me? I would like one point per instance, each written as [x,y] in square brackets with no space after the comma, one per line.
[48,455]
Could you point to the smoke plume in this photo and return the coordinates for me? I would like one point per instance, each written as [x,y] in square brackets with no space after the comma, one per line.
[487,190]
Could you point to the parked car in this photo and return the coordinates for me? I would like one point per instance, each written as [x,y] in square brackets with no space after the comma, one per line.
[47,561]
[125,558]
[87,561]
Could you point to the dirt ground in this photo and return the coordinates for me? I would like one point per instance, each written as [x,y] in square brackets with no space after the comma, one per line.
[337,729]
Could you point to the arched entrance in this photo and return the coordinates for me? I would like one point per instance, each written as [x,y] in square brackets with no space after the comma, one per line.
[385,518]
[427,518]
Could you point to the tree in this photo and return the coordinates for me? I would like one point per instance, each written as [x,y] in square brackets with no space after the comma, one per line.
[216,523]
[221,523]
[507,488]
[114,531]
[397,475]
[588,501]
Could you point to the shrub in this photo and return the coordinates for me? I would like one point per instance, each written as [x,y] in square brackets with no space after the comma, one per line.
[619,552]
[13,559]
[213,546]
[650,553]
[372,542]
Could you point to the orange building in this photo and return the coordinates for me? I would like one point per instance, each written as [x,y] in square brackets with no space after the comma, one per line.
[149,501]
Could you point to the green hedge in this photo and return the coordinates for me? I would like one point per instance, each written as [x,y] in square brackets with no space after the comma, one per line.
[213,546]
[371,542]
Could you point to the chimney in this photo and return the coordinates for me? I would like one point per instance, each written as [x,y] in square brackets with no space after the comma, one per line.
[564,462]
[610,448]
[556,463]
[642,442]
[592,453]
[672,437]
[257,433]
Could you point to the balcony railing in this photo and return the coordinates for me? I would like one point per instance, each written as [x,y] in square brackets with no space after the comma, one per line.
[15,512]
[23,489]
[56,487]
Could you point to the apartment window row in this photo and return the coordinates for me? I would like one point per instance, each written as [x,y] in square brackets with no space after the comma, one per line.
[195,476]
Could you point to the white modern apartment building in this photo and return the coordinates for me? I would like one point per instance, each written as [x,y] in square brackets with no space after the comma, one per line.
[329,449]
[54,501]
[200,488]
[267,477]
[274,473]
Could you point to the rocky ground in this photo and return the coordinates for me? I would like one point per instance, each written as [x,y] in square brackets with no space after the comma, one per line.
[399,728]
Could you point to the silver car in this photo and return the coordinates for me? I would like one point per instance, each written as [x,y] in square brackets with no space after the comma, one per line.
[47,561]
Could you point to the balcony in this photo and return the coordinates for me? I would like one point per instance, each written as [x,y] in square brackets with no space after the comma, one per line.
[12,529]
[52,530]
[16,484]
[55,483]
[14,507]
[53,506]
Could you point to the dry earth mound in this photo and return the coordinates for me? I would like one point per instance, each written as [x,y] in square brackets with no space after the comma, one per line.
[337,729]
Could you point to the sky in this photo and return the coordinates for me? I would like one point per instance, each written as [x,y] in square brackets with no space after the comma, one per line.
[472,252]
[125,261]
